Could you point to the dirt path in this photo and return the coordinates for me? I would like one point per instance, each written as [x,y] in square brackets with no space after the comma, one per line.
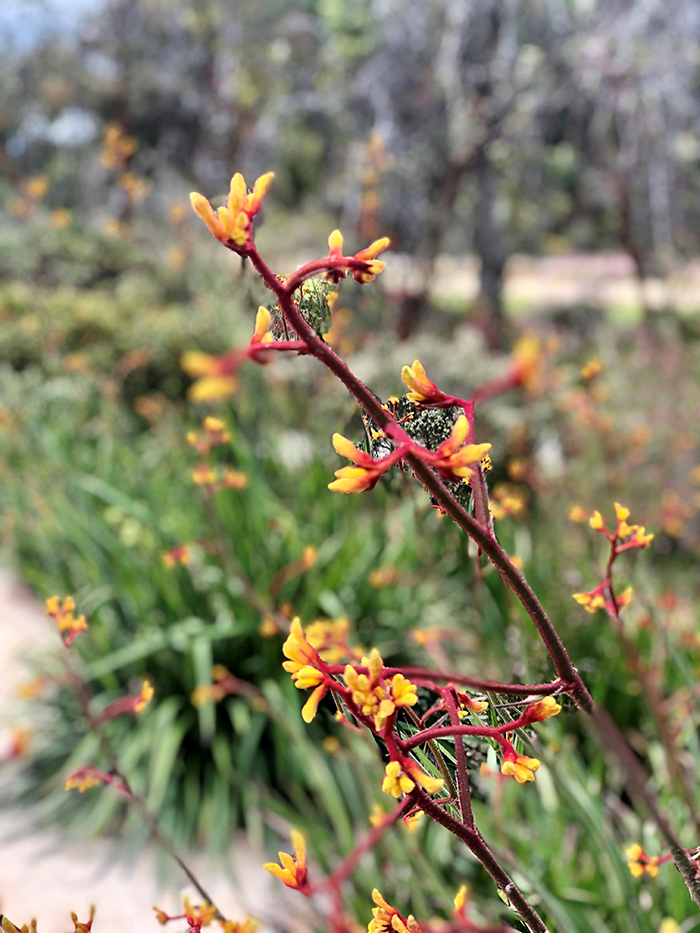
[41,876]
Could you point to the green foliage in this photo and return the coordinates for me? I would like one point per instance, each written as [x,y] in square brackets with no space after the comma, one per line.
[91,500]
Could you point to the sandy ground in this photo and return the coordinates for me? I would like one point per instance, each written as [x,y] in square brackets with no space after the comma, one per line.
[43,877]
[604,280]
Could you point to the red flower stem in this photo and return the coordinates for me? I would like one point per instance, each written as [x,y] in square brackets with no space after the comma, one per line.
[427,678]
[652,695]
[571,682]
[84,696]
[465,800]
[297,346]
[566,671]
[347,866]
[636,785]
[444,732]
[342,264]
[497,386]
[475,843]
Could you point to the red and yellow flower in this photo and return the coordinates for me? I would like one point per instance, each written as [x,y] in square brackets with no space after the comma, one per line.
[421,389]
[520,767]
[365,267]
[454,459]
[233,224]
[306,667]
[366,472]
[64,613]
[292,871]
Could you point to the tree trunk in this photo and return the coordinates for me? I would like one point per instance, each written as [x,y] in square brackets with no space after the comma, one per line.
[491,251]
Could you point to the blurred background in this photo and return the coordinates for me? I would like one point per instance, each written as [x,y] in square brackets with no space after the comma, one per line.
[536,164]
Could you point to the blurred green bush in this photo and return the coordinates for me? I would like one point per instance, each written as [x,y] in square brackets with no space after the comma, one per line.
[96,486]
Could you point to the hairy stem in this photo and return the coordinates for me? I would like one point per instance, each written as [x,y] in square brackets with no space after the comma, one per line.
[475,843]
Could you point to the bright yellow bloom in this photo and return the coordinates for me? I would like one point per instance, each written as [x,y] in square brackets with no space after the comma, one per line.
[365,474]
[335,245]
[639,862]
[422,390]
[367,692]
[396,782]
[577,514]
[461,897]
[429,783]
[624,599]
[82,782]
[388,920]
[203,475]
[403,692]
[234,479]
[520,767]
[641,538]
[413,822]
[621,513]
[454,459]
[472,706]
[377,815]
[200,916]
[329,637]
[64,613]
[590,601]
[543,709]
[303,664]
[374,249]
[262,334]
[298,650]
[596,521]
[233,223]
[291,871]
[145,696]
[215,380]
[591,369]
[234,926]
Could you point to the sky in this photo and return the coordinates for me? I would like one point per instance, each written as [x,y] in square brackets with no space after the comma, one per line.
[25,23]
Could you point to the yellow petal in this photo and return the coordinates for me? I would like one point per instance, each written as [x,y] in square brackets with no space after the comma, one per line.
[335,241]
[205,212]
[343,447]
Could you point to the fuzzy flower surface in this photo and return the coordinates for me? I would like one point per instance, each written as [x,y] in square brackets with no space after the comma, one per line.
[306,667]
[454,459]
[421,390]
[520,767]
[366,472]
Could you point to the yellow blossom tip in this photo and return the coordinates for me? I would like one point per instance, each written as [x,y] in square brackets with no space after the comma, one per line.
[343,447]
[335,241]
[461,897]
[621,513]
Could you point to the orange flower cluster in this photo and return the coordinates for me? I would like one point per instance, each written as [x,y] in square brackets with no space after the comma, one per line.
[233,224]
[364,265]
[64,613]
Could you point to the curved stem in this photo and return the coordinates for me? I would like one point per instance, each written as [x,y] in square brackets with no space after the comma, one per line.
[465,800]
[482,536]
[475,843]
